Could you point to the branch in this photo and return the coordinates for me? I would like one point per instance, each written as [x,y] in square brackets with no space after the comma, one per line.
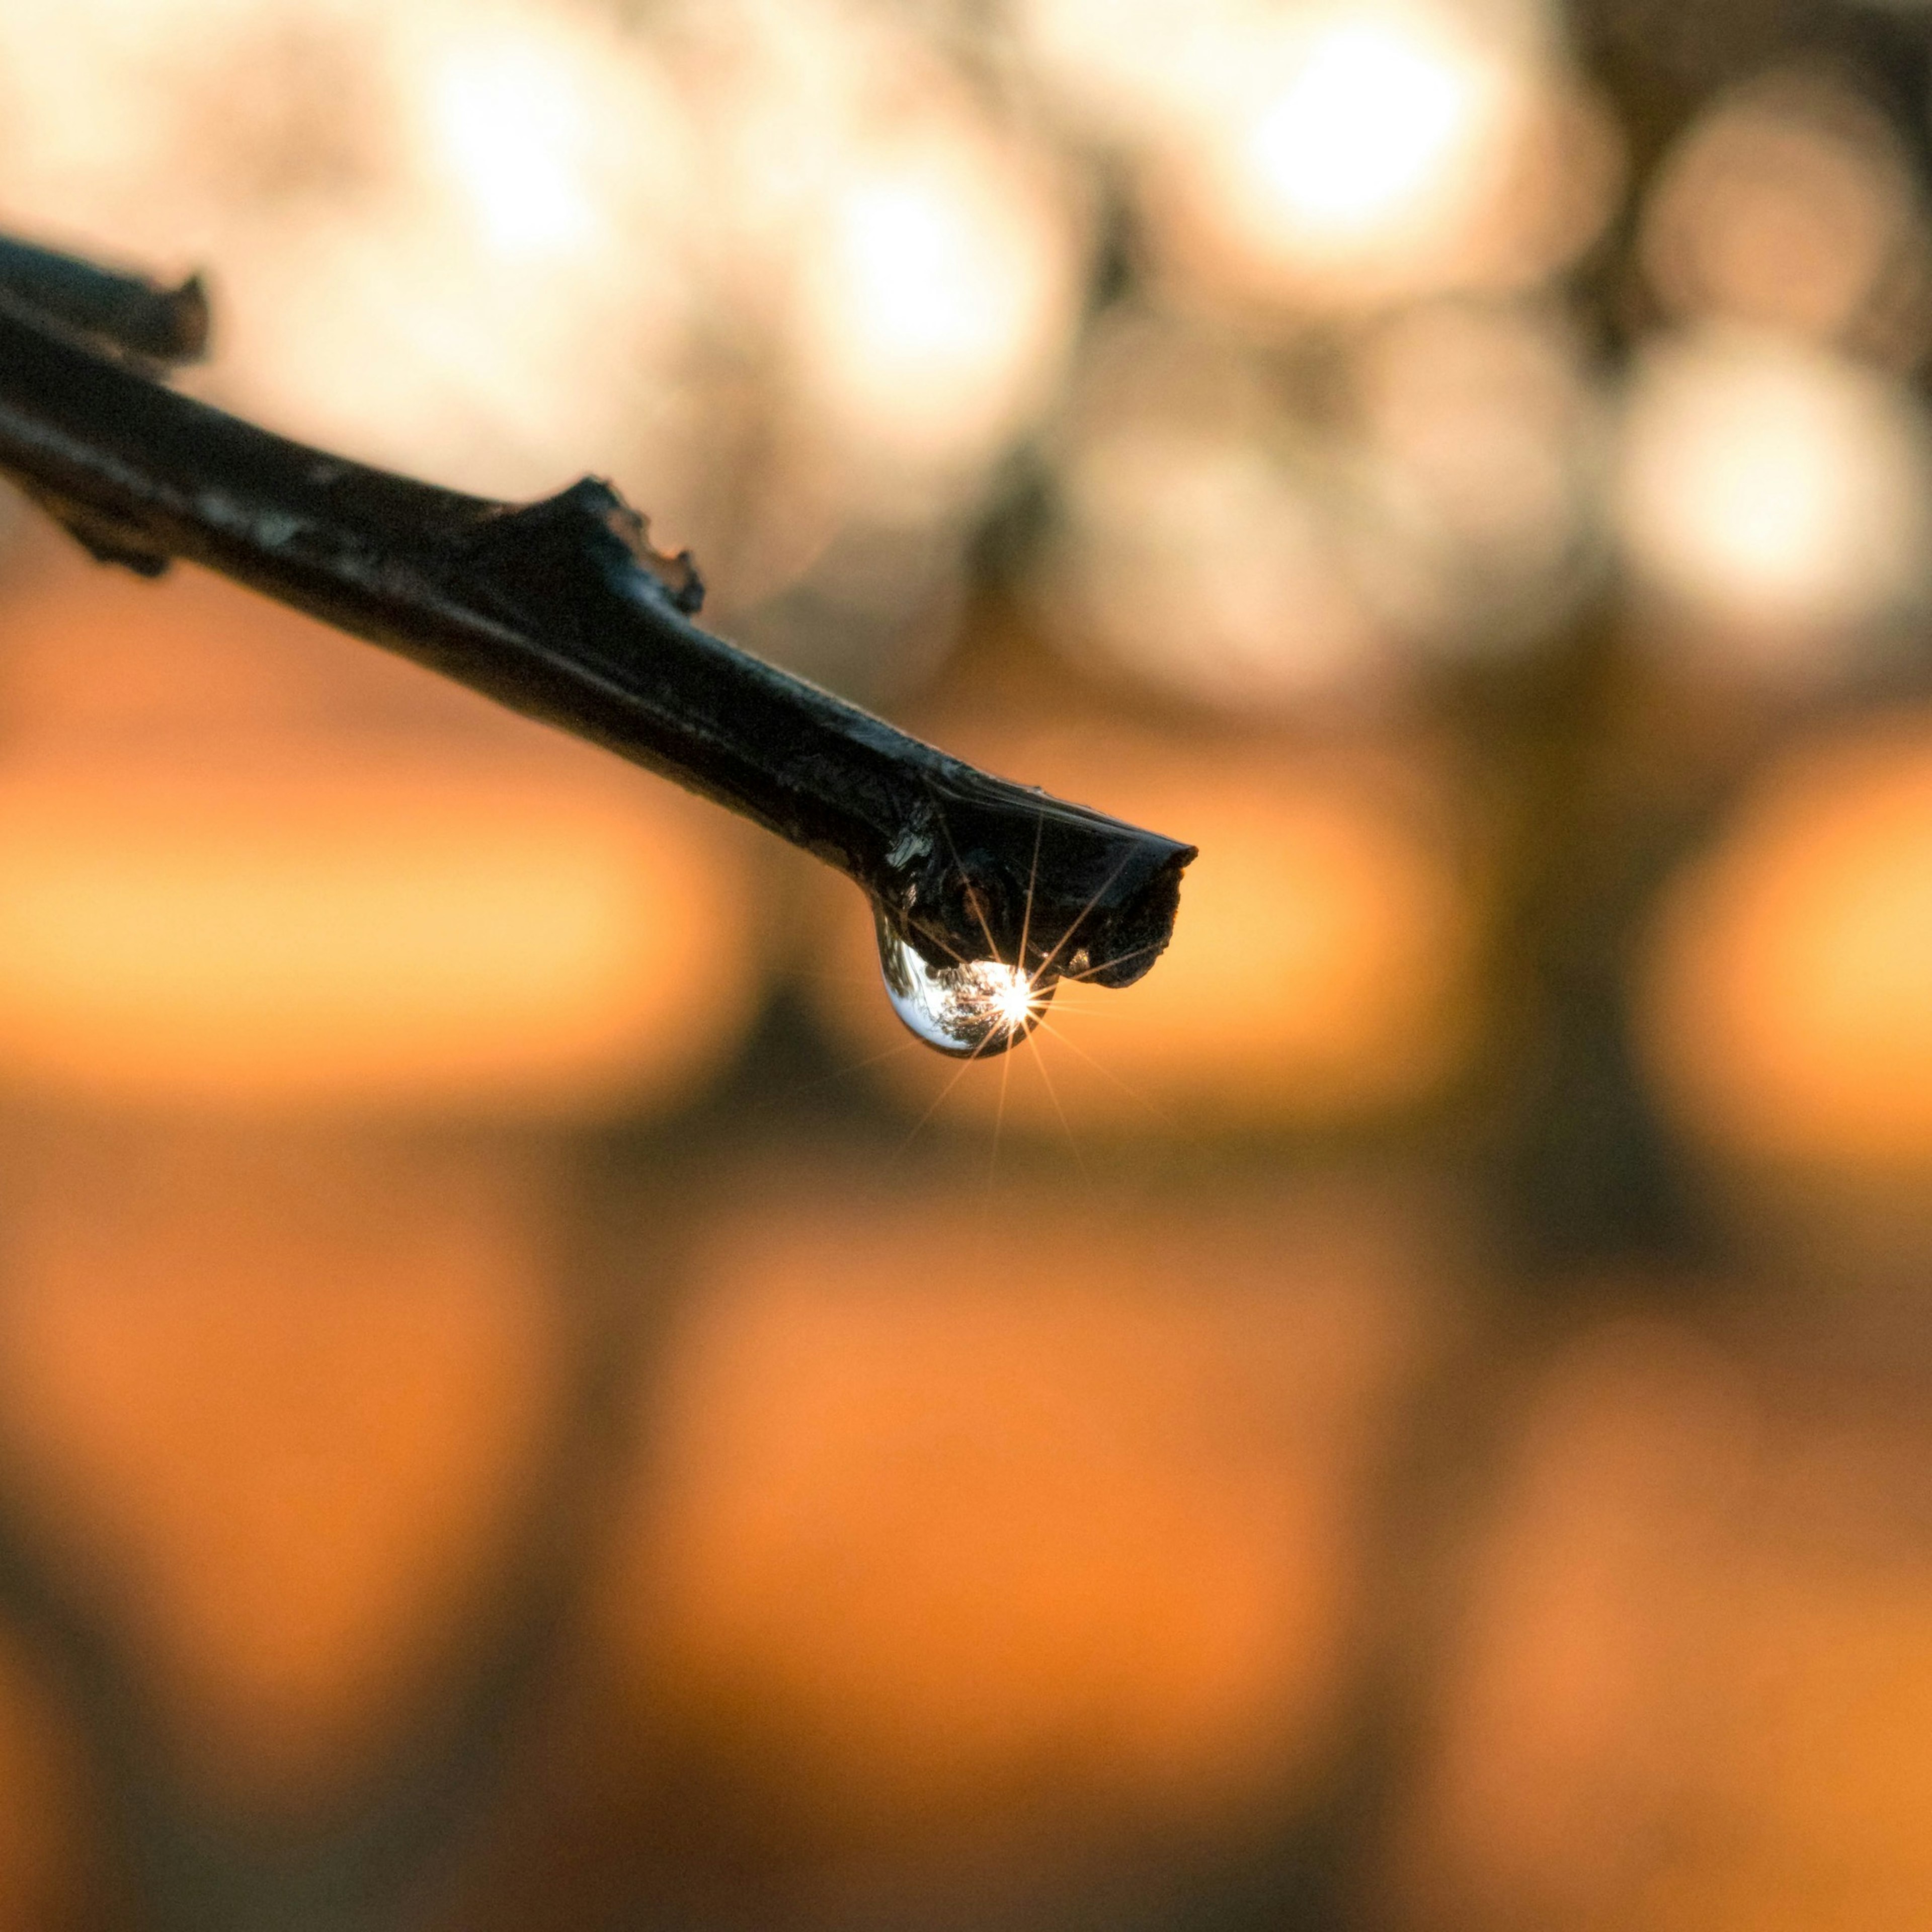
[560,609]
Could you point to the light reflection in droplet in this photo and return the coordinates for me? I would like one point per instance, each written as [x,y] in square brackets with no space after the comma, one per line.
[973,1010]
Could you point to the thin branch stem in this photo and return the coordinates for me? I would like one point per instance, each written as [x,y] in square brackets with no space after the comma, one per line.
[561,609]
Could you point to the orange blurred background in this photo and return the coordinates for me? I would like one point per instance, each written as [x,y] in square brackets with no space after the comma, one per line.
[527,1400]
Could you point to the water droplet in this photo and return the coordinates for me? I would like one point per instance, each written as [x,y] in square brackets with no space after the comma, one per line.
[979,1008]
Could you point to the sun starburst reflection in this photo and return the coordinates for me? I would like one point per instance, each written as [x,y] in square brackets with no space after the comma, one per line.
[972,1010]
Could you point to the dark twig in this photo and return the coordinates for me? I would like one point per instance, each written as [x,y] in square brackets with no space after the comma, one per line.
[126,314]
[561,609]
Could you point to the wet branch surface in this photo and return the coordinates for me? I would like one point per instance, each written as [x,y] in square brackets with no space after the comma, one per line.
[560,609]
